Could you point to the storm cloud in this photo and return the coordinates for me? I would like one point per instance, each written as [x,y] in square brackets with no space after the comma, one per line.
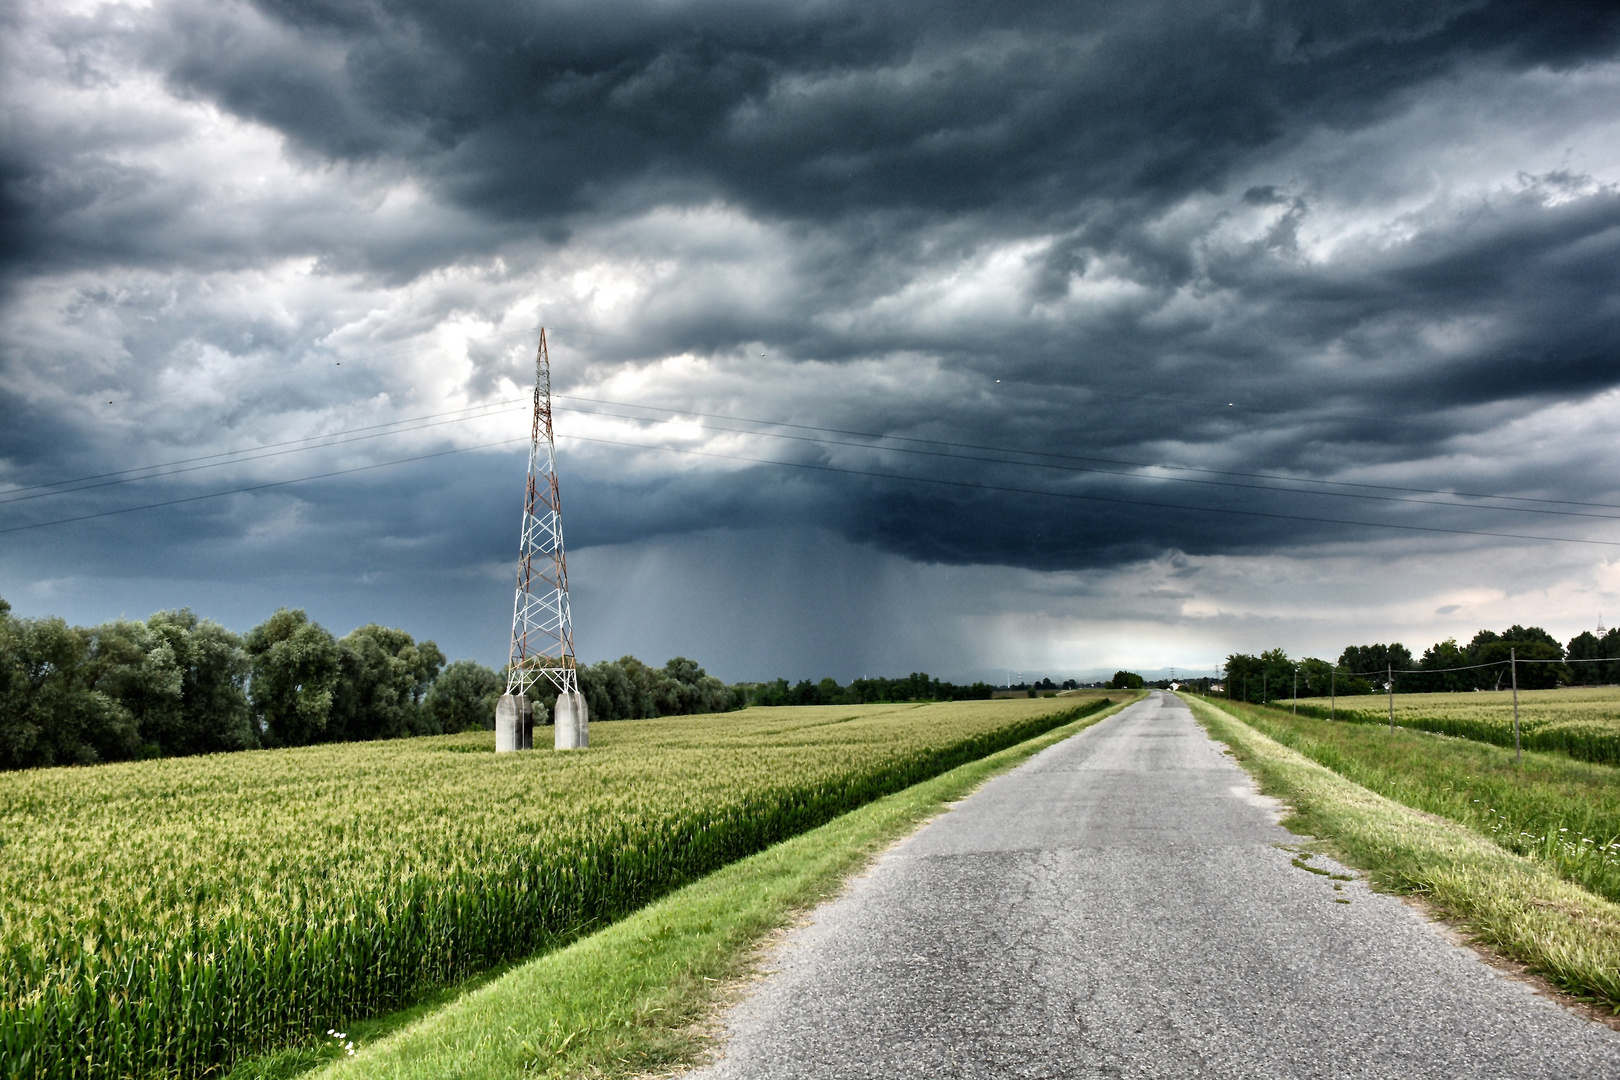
[1156,311]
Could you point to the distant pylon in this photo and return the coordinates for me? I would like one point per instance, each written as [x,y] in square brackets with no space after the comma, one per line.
[542,624]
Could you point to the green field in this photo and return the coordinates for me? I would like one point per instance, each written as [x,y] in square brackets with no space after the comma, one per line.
[1583,722]
[166,918]
[1445,819]
[1563,813]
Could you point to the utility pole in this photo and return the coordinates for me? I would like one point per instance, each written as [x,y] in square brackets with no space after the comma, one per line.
[1389,672]
[542,624]
[1513,661]
[1333,693]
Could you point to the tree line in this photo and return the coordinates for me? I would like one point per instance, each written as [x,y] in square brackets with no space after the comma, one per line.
[177,684]
[1444,666]
[914,687]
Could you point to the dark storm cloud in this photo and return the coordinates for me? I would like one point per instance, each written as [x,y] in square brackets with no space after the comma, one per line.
[885,145]
[1089,113]
[538,111]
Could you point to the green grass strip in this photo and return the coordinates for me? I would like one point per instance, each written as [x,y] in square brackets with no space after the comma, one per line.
[625,1000]
[1507,902]
[1558,811]
[1582,722]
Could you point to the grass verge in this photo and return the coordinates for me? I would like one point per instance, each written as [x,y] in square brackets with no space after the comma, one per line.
[625,1000]
[1561,812]
[1504,901]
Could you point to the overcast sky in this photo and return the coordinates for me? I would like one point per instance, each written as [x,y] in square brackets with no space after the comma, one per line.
[887,336]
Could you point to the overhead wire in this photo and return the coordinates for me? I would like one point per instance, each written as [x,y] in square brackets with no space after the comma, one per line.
[340,437]
[249,453]
[1103,460]
[354,361]
[1006,489]
[950,451]
[1095,471]
[826,468]
[357,360]
[264,486]
[967,484]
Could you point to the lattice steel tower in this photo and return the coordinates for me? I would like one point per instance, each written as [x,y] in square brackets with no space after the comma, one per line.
[542,624]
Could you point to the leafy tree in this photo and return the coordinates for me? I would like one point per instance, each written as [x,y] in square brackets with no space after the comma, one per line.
[1436,679]
[1318,678]
[1376,660]
[1243,677]
[1278,673]
[627,689]
[295,666]
[181,679]
[1271,676]
[50,714]
[139,670]
[771,693]
[804,693]
[1526,643]
[214,711]
[915,687]
[464,696]
[1125,680]
[385,675]
[610,694]
[1587,646]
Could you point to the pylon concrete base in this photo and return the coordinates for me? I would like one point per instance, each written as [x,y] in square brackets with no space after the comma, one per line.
[514,723]
[572,721]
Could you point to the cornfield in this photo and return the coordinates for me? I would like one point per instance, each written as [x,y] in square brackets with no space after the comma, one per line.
[1583,722]
[166,918]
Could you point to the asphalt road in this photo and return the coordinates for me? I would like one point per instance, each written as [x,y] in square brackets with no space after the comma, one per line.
[1120,906]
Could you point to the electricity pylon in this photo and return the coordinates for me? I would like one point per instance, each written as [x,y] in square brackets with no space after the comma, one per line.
[542,624]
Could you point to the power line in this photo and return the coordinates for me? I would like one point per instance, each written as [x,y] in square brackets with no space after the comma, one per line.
[250,454]
[354,361]
[908,439]
[1103,460]
[1104,498]
[999,488]
[264,446]
[261,487]
[1103,472]
[1487,664]
[858,472]
[480,411]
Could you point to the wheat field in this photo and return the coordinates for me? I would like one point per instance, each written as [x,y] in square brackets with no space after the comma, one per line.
[165,918]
